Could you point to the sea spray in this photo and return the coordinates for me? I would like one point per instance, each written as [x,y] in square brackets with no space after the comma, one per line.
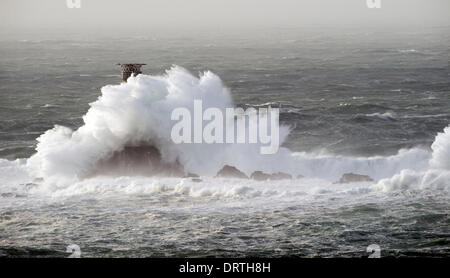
[441,150]
[436,175]
[138,113]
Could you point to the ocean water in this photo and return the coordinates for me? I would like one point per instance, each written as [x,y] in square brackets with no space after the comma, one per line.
[371,103]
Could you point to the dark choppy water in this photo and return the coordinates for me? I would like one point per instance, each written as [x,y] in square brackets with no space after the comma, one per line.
[137,226]
[347,94]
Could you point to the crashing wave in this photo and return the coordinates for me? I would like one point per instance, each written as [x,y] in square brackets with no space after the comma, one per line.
[435,175]
[137,114]
[127,131]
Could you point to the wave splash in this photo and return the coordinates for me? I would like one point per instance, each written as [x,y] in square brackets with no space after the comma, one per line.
[137,113]
[136,116]
[435,175]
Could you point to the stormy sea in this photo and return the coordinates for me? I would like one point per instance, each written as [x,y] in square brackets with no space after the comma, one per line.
[88,161]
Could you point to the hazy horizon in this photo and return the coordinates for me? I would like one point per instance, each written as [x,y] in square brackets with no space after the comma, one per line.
[21,18]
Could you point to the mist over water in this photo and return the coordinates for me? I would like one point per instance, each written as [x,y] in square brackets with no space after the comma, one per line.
[371,103]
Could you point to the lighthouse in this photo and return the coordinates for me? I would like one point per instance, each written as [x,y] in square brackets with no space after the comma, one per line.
[129,69]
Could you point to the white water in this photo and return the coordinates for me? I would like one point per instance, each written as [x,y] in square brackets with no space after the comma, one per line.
[138,112]
[437,174]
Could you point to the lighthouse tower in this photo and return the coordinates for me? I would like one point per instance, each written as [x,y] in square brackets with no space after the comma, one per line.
[129,69]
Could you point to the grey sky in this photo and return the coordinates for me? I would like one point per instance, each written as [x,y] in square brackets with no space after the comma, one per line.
[120,16]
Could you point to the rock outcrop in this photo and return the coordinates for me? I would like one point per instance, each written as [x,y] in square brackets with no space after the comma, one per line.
[137,160]
[231,172]
[260,176]
[280,176]
[146,161]
[352,177]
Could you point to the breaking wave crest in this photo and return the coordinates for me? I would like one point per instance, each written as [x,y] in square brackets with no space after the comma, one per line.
[138,113]
[435,175]
[136,116]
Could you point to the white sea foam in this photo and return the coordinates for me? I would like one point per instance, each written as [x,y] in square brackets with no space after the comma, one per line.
[331,167]
[414,169]
[383,116]
[408,51]
[138,112]
[408,180]
[436,175]
[441,151]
